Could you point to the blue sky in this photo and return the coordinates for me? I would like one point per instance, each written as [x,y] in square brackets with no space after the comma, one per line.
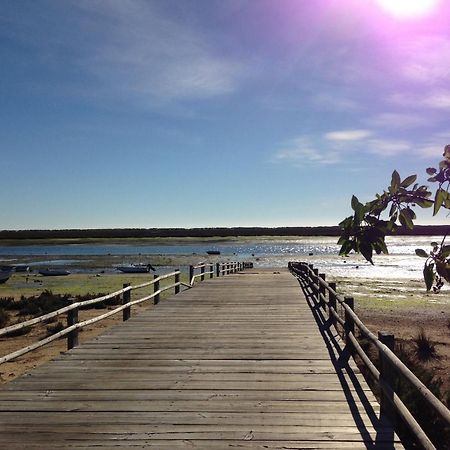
[186,113]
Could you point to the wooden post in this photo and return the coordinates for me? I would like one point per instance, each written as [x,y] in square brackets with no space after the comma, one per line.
[389,375]
[316,282]
[72,319]
[156,289]
[349,324]
[332,303]
[211,270]
[322,290]
[126,313]
[218,269]
[177,280]
[191,273]
[202,271]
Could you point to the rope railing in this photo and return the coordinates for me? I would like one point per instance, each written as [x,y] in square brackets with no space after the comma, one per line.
[391,365]
[124,295]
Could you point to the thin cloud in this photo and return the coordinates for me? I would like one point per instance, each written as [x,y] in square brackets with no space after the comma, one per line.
[348,135]
[301,151]
[427,59]
[437,100]
[388,147]
[396,120]
[320,150]
[149,58]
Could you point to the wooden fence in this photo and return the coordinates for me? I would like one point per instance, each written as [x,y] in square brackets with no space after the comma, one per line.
[325,296]
[124,295]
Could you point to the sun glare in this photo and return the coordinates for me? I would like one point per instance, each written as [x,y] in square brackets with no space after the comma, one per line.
[409,8]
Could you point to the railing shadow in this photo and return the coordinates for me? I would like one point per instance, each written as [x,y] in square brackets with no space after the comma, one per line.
[340,358]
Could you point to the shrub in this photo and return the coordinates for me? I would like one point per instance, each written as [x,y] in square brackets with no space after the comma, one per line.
[56,328]
[20,332]
[4,318]
[424,348]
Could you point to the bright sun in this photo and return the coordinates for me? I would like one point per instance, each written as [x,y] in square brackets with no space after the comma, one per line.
[409,8]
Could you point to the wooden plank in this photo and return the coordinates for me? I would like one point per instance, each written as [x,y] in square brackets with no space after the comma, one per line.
[236,362]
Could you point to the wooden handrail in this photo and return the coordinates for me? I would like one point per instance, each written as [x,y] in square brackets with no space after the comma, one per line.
[78,305]
[72,329]
[319,287]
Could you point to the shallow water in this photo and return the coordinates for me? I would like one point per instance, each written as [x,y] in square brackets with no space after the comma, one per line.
[270,253]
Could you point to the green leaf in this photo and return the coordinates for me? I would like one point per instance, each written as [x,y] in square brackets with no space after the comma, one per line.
[439,198]
[392,210]
[408,181]
[355,203]
[428,275]
[346,223]
[424,203]
[421,253]
[366,250]
[445,251]
[380,246]
[431,170]
[395,181]
[406,218]
[443,270]
[346,248]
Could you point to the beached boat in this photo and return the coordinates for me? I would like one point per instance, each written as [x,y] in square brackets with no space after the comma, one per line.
[22,268]
[213,252]
[5,274]
[136,268]
[54,272]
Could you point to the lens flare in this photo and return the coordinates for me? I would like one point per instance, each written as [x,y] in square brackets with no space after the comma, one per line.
[409,8]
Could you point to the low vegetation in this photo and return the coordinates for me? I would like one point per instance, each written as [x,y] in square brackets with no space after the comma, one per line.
[424,348]
[415,360]
[29,307]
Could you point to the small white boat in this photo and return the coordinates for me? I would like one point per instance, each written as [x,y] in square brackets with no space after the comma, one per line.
[136,268]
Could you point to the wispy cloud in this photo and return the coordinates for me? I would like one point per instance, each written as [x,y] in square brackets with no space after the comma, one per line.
[396,120]
[388,147]
[426,59]
[149,58]
[302,151]
[339,146]
[436,99]
[348,135]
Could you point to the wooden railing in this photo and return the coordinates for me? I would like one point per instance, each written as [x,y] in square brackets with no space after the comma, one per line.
[124,295]
[221,269]
[324,296]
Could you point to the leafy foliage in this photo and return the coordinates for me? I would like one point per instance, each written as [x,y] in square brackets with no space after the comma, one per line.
[365,231]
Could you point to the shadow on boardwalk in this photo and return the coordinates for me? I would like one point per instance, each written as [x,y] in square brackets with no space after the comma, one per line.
[344,365]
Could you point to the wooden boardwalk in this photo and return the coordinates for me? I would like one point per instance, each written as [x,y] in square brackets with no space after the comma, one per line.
[236,362]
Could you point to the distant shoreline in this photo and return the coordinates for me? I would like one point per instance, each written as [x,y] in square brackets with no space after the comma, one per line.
[220,232]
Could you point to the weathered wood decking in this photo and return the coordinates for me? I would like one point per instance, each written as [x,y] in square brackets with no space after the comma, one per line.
[236,362]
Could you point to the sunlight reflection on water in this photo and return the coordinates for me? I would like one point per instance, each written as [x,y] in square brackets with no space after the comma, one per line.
[268,253]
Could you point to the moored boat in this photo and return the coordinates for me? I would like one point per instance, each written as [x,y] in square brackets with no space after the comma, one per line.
[136,268]
[4,275]
[213,252]
[54,272]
